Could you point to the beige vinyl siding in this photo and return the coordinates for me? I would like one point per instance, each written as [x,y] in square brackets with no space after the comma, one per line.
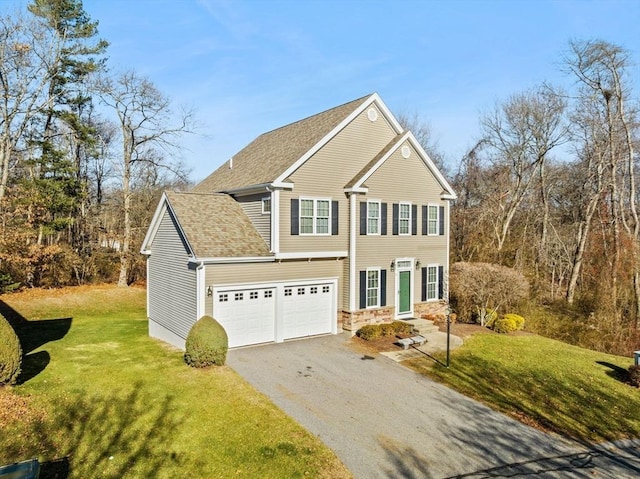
[171,284]
[255,273]
[401,180]
[252,206]
[324,176]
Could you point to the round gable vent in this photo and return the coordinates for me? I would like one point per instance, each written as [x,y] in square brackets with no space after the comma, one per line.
[406,151]
[372,114]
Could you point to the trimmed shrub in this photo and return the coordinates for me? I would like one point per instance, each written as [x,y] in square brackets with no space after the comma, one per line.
[634,376]
[504,325]
[519,320]
[369,332]
[207,344]
[375,331]
[10,353]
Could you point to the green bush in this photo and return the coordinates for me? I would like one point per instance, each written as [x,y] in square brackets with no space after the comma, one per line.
[634,376]
[369,332]
[490,317]
[504,325]
[10,353]
[207,344]
[519,320]
[375,331]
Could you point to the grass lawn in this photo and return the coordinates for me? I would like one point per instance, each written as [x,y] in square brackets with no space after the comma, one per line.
[548,384]
[99,398]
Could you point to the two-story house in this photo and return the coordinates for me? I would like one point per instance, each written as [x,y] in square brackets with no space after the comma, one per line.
[332,222]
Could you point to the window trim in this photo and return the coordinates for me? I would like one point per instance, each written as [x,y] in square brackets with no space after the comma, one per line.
[377,289]
[267,200]
[379,217]
[436,285]
[315,216]
[435,222]
[401,219]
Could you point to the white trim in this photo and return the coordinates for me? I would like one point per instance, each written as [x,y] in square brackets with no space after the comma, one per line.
[448,192]
[366,288]
[200,291]
[374,98]
[437,207]
[232,259]
[248,190]
[445,272]
[275,221]
[262,201]
[409,228]
[312,254]
[379,203]
[314,217]
[162,207]
[411,270]
[427,299]
[352,252]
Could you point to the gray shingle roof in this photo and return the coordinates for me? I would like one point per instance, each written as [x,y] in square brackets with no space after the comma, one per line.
[216,226]
[269,155]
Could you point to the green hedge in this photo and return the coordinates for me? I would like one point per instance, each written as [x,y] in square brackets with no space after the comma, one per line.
[10,353]
[374,331]
[207,344]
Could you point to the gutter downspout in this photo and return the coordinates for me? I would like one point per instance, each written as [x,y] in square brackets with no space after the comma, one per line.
[200,294]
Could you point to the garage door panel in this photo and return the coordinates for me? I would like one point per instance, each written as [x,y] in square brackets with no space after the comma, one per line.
[248,316]
[307,310]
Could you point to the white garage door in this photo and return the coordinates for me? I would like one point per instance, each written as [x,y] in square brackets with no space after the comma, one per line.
[247,315]
[307,310]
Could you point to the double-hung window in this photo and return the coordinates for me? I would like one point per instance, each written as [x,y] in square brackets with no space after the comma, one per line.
[373,217]
[432,283]
[432,220]
[315,216]
[404,219]
[373,288]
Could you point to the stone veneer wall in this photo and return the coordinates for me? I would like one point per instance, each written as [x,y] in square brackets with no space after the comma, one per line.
[354,321]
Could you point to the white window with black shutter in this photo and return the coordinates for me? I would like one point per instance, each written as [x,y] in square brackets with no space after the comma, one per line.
[314,216]
[405,219]
[433,220]
[373,218]
[432,282]
[373,288]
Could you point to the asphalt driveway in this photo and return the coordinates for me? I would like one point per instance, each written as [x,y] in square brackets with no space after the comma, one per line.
[386,421]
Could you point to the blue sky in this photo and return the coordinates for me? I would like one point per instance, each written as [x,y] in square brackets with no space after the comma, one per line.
[251,66]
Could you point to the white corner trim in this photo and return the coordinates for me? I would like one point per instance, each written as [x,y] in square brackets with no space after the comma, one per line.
[312,255]
[200,293]
[275,221]
[352,252]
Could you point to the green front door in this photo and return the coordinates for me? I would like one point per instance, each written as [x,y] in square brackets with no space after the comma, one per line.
[404,300]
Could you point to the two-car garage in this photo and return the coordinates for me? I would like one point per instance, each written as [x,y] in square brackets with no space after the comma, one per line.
[268,312]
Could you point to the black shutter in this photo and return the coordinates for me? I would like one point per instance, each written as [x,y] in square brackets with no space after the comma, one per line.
[383,218]
[295,216]
[441,220]
[440,282]
[383,287]
[334,217]
[396,212]
[425,218]
[414,219]
[424,284]
[363,217]
[363,289]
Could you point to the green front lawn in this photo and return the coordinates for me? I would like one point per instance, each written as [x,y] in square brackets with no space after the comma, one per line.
[549,384]
[99,398]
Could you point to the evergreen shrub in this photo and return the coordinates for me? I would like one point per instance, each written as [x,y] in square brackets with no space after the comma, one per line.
[10,353]
[504,325]
[519,320]
[207,344]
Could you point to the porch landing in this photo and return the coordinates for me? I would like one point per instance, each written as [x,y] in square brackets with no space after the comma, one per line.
[436,341]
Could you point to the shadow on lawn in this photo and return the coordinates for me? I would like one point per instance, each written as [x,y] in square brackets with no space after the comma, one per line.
[112,435]
[616,372]
[32,335]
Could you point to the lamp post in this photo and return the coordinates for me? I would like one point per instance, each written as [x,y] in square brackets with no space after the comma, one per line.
[448,332]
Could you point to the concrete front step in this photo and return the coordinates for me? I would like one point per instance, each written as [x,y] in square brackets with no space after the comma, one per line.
[422,326]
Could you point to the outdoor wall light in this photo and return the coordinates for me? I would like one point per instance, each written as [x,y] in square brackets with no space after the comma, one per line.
[393,264]
[418,264]
[209,291]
